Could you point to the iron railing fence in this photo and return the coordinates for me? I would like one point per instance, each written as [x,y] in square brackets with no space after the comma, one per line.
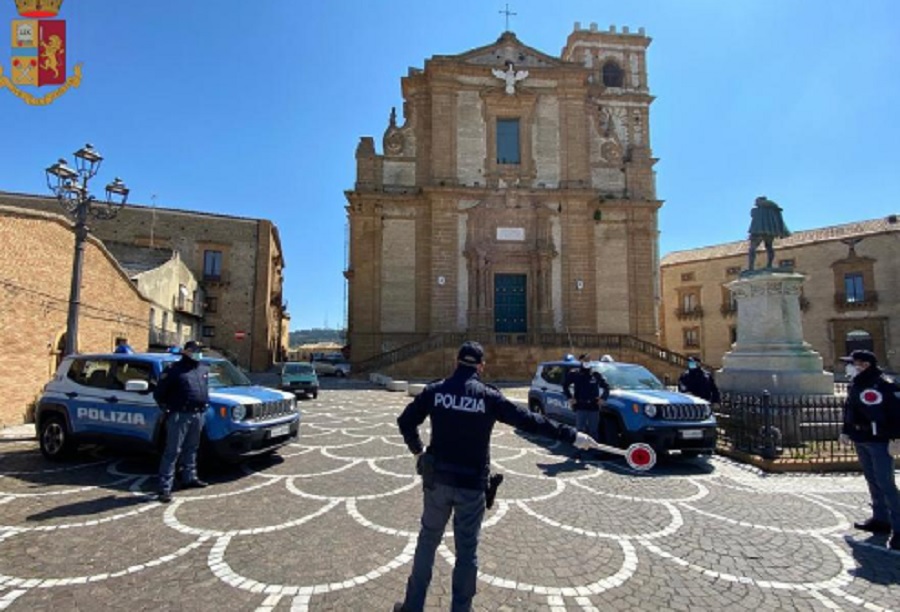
[786,428]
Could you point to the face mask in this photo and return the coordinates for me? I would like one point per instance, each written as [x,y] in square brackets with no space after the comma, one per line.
[196,356]
[851,370]
[692,365]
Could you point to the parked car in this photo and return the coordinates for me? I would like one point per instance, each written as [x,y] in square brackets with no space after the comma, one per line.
[332,365]
[639,408]
[108,398]
[299,377]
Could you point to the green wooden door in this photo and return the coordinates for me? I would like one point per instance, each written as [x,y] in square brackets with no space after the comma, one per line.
[510,309]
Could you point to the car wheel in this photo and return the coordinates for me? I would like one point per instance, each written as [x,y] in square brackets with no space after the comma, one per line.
[55,441]
[315,395]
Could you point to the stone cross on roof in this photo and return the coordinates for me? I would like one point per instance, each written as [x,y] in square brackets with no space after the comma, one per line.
[507,12]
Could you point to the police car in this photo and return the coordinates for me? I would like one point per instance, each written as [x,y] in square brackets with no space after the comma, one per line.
[639,408]
[108,398]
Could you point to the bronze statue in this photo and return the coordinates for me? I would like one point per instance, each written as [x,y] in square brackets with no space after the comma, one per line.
[766,224]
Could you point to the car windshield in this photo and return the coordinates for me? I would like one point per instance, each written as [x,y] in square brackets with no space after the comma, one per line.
[633,377]
[223,374]
[298,368]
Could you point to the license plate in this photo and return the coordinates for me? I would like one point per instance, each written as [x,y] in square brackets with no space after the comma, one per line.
[281,430]
[691,434]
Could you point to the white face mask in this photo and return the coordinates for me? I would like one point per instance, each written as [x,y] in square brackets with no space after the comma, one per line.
[851,370]
[692,365]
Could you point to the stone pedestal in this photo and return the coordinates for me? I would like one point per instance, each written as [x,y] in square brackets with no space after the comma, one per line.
[770,353]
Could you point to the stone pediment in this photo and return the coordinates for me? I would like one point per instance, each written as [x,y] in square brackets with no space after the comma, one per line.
[508,48]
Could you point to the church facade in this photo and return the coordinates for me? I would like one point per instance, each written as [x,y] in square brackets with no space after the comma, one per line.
[515,203]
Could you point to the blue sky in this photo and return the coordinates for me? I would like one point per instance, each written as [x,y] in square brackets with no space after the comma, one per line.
[254,108]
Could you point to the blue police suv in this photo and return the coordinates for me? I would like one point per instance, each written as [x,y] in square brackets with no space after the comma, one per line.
[108,399]
[639,408]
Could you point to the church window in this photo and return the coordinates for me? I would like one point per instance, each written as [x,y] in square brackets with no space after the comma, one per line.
[508,141]
[613,75]
[853,287]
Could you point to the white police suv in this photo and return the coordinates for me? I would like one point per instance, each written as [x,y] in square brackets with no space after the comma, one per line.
[108,399]
[639,408]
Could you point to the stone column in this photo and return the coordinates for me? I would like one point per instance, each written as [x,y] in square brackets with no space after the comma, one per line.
[770,352]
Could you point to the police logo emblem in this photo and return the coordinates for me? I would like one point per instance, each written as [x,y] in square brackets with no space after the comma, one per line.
[871,397]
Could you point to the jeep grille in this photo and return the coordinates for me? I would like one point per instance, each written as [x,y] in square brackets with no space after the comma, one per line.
[683,412]
[269,410]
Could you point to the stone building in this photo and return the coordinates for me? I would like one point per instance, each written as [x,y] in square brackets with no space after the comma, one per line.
[516,202]
[238,262]
[850,300]
[177,299]
[36,251]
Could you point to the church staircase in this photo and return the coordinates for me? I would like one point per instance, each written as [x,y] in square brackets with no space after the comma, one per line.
[514,356]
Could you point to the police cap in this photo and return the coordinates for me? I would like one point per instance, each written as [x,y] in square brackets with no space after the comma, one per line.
[192,346]
[470,354]
[861,355]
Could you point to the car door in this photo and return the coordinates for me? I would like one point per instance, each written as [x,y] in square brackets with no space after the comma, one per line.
[141,413]
[91,396]
[555,404]
[324,367]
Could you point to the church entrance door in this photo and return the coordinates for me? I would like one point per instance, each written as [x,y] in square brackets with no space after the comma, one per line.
[510,305]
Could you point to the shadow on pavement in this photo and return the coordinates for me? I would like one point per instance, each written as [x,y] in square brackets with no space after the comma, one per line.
[87,508]
[876,563]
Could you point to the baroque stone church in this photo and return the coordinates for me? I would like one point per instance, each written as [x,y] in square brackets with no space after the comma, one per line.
[514,203]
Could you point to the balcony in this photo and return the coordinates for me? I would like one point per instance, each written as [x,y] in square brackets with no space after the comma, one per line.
[689,314]
[187,306]
[728,309]
[163,337]
[843,302]
[219,278]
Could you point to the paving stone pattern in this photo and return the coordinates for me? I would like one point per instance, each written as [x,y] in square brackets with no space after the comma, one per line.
[331,524]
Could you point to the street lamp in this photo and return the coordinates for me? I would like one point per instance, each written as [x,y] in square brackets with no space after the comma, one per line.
[70,186]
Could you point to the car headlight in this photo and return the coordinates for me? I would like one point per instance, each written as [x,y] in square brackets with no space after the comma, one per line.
[707,411]
[650,410]
[238,412]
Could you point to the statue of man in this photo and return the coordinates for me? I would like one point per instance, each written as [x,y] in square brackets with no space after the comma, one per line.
[766,224]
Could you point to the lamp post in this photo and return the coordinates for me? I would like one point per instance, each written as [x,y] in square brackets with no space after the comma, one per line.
[70,186]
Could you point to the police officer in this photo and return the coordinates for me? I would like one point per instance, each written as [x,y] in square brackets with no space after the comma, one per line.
[584,388]
[455,467]
[698,382]
[123,347]
[183,392]
[871,421]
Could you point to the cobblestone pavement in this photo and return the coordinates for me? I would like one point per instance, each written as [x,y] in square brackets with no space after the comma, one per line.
[332,526]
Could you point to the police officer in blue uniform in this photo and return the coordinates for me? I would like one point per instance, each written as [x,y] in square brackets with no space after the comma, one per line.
[455,467]
[698,382]
[183,392]
[871,421]
[585,388]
